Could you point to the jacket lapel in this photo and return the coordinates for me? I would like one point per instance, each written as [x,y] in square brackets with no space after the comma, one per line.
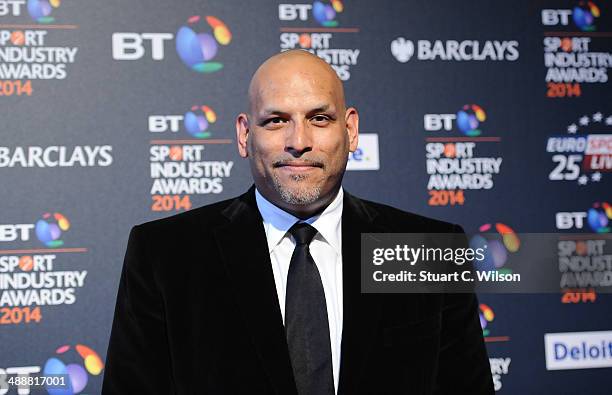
[361,312]
[243,245]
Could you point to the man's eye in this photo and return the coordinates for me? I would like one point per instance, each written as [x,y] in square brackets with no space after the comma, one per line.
[320,118]
[274,121]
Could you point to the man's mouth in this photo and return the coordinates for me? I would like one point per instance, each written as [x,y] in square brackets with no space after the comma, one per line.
[298,164]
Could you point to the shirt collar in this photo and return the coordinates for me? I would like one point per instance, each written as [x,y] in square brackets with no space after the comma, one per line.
[277,221]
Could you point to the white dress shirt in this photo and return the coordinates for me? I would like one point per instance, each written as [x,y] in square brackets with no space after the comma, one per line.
[326,250]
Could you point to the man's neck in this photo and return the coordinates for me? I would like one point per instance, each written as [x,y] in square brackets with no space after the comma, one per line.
[304,212]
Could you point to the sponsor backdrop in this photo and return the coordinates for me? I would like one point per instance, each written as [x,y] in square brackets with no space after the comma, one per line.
[494,115]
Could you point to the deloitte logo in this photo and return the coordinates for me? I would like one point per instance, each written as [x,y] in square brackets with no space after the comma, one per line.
[197,49]
[40,10]
[496,251]
[77,374]
[366,156]
[49,229]
[578,350]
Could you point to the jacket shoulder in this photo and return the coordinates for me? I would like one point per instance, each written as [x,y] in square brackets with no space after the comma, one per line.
[397,220]
[205,217]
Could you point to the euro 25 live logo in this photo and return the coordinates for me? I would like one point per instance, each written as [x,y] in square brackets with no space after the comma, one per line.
[40,11]
[68,370]
[197,122]
[197,43]
[584,154]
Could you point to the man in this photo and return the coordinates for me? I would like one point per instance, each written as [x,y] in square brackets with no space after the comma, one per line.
[261,294]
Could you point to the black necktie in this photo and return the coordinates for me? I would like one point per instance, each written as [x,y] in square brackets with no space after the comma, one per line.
[306,319]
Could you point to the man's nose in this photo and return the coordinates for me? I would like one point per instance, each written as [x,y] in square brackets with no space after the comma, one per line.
[298,139]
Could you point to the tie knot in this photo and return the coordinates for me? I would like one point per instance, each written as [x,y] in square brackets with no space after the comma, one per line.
[302,233]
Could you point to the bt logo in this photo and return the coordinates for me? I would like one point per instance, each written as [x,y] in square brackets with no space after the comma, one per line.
[77,374]
[486,316]
[196,49]
[496,251]
[468,120]
[48,230]
[196,122]
[39,10]
[325,14]
[12,232]
[598,217]
[583,14]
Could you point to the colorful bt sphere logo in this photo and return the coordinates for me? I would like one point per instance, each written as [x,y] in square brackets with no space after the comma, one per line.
[49,229]
[486,315]
[76,373]
[584,15]
[197,49]
[198,120]
[325,14]
[496,251]
[599,217]
[469,118]
[40,10]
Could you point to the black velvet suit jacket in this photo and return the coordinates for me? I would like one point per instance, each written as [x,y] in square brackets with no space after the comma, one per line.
[197,313]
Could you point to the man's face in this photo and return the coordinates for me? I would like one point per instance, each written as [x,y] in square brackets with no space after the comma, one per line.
[298,136]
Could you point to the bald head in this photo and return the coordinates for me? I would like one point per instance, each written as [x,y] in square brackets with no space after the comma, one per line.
[298,132]
[283,70]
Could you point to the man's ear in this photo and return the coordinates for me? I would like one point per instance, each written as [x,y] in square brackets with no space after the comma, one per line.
[352,127]
[242,134]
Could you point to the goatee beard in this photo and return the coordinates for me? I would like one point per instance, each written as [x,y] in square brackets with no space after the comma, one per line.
[299,196]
